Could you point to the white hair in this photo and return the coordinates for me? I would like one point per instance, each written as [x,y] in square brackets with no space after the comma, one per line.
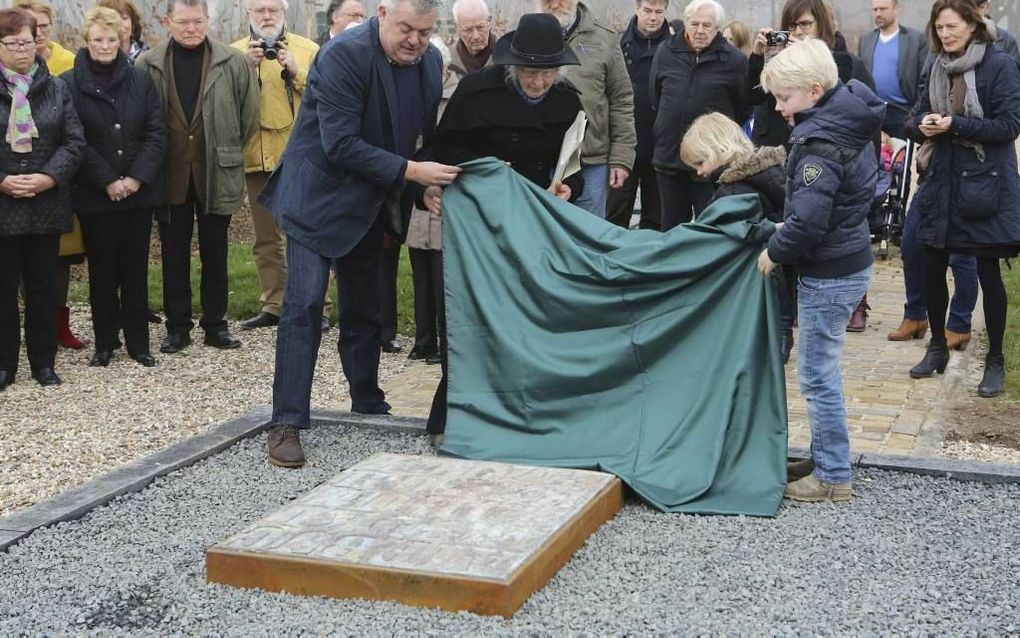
[284,3]
[698,5]
[419,6]
[455,9]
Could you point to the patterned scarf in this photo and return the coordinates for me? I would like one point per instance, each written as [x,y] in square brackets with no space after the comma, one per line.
[21,127]
[943,92]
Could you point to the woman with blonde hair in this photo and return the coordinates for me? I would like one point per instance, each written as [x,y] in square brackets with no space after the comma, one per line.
[119,183]
[131,33]
[737,34]
[717,148]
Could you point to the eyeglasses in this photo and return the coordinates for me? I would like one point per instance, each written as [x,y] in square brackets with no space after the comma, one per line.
[197,22]
[101,41]
[18,45]
[803,25]
[478,28]
[266,11]
[356,14]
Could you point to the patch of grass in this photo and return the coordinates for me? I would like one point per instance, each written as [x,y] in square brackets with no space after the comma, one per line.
[1011,345]
[243,299]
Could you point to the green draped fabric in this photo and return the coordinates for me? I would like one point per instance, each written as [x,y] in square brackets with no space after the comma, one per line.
[575,343]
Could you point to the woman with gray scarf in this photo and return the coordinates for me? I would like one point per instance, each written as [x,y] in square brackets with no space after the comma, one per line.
[969,198]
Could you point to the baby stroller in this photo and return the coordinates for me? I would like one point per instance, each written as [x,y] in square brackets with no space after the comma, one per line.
[890,206]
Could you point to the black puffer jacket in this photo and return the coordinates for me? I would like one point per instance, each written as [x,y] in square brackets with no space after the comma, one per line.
[763,174]
[125,133]
[685,84]
[831,175]
[56,152]
[639,51]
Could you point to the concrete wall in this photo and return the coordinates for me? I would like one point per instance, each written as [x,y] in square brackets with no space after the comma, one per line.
[229,21]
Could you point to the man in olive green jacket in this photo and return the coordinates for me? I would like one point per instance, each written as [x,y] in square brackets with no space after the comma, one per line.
[607,154]
[211,103]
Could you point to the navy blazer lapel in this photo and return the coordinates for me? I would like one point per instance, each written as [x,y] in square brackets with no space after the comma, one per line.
[385,75]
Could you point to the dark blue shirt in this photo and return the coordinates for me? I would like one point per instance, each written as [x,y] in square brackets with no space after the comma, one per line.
[410,108]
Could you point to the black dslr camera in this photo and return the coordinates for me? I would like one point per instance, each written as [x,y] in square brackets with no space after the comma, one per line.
[270,46]
[773,38]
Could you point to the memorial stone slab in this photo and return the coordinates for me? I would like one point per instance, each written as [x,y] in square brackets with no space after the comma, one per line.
[437,532]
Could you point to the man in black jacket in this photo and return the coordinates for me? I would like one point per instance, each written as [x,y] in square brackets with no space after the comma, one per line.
[695,72]
[646,31]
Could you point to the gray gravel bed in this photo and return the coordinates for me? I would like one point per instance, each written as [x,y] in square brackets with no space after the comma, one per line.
[910,555]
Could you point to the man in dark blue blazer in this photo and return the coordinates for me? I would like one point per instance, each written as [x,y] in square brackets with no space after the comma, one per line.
[371,93]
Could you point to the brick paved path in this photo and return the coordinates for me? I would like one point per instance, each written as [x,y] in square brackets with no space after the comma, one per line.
[888,411]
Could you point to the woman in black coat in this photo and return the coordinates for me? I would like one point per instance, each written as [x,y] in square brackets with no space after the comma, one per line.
[801,19]
[517,110]
[39,154]
[118,185]
[969,197]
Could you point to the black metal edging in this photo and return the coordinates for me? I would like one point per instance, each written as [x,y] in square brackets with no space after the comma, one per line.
[134,476]
[958,469]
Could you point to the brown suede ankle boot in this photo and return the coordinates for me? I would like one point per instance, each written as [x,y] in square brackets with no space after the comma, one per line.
[910,329]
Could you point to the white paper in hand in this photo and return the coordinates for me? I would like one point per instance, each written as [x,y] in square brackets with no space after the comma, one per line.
[569,161]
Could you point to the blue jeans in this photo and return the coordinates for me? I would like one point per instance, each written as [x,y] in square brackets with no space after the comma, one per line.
[824,307]
[596,188]
[300,330]
[965,279]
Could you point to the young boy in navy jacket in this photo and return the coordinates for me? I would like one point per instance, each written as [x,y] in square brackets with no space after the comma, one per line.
[831,174]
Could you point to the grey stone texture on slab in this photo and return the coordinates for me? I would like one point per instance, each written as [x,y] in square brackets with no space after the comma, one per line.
[915,555]
[479,520]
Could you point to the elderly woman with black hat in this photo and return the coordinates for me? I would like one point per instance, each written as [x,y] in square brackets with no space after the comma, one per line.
[517,110]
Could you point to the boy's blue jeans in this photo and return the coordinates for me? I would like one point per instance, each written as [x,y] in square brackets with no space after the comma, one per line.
[824,307]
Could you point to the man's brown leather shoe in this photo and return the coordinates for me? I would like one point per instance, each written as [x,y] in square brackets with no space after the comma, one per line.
[284,446]
[957,340]
[910,329]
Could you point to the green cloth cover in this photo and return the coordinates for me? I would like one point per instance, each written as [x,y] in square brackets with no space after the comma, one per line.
[578,344]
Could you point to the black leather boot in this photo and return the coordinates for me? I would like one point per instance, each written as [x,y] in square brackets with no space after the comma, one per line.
[786,337]
[994,377]
[935,360]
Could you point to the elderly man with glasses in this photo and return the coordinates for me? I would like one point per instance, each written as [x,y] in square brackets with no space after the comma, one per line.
[210,97]
[341,14]
[474,37]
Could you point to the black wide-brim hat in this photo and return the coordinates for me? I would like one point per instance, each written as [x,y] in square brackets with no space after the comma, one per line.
[537,43]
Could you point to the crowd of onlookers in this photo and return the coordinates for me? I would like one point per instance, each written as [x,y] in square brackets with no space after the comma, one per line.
[100,142]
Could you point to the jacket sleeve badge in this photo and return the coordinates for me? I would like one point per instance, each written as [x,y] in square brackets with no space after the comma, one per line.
[811,173]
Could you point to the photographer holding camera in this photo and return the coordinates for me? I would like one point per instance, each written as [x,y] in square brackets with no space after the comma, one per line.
[281,62]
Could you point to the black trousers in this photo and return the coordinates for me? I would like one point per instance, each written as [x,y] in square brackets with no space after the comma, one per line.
[682,197]
[390,268]
[620,202]
[33,260]
[117,247]
[429,318]
[437,413]
[175,237]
